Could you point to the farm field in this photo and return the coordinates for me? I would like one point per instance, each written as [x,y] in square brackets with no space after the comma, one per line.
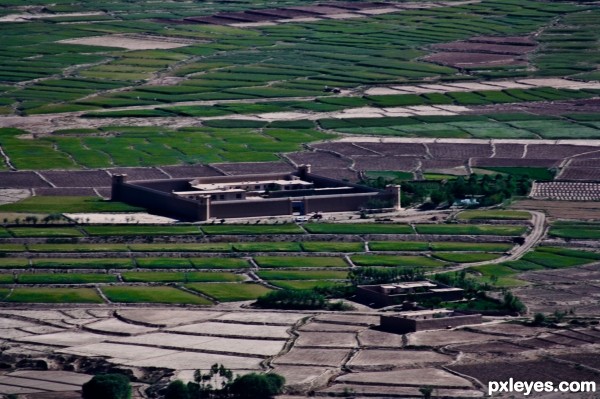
[486,114]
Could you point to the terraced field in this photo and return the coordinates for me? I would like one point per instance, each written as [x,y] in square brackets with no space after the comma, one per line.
[410,93]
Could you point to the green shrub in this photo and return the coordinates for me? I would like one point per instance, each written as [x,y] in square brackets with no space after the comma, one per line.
[107,386]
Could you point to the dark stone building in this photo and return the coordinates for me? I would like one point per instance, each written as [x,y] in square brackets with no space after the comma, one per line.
[419,320]
[382,295]
[242,196]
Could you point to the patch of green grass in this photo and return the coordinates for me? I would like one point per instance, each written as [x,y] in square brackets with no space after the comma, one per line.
[498,275]
[576,231]
[168,295]
[313,246]
[167,277]
[181,247]
[67,205]
[54,295]
[462,229]
[45,232]
[554,261]
[65,278]
[88,263]
[252,229]
[357,228]
[299,261]
[570,252]
[13,263]
[494,215]
[396,261]
[163,263]
[7,278]
[398,246]
[464,257]
[134,230]
[79,247]
[12,248]
[230,292]
[304,284]
[302,275]
[522,265]
[532,173]
[470,246]
[219,263]
[266,247]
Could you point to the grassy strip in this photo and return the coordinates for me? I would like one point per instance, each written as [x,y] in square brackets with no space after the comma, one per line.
[152,295]
[45,232]
[452,229]
[398,246]
[219,263]
[54,295]
[67,205]
[358,228]
[302,275]
[166,277]
[65,278]
[312,246]
[304,284]
[209,247]
[77,247]
[493,215]
[298,262]
[230,292]
[133,230]
[392,260]
[267,247]
[12,248]
[93,263]
[252,229]
[163,263]
[464,257]
[13,263]
[471,247]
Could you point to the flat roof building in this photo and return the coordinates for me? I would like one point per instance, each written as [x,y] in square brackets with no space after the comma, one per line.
[381,295]
[431,319]
[275,194]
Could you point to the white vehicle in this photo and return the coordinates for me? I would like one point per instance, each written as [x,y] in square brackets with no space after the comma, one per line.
[301,219]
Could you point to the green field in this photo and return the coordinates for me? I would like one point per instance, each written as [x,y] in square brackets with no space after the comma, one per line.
[79,247]
[65,278]
[236,229]
[498,275]
[302,275]
[470,247]
[12,248]
[54,295]
[396,260]
[168,295]
[163,263]
[398,246]
[582,231]
[230,292]
[494,215]
[465,257]
[90,263]
[299,262]
[313,246]
[554,261]
[181,247]
[357,228]
[133,230]
[186,277]
[45,232]
[67,204]
[266,247]
[304,284]
[13,263]
[455,229]
[219,263]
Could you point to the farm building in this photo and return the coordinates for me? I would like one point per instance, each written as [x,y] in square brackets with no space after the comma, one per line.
[240,196]
[394,294]
[419,320]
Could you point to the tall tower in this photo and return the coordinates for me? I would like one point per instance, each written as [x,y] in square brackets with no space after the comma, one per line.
[394,190]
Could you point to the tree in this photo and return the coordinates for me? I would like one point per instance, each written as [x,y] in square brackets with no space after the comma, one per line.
[257,386]
[426,392]
[107,386]
[177,390]
[539,319]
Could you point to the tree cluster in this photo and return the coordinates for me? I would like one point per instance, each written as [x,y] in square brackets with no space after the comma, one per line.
[219,383]
[374,275]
